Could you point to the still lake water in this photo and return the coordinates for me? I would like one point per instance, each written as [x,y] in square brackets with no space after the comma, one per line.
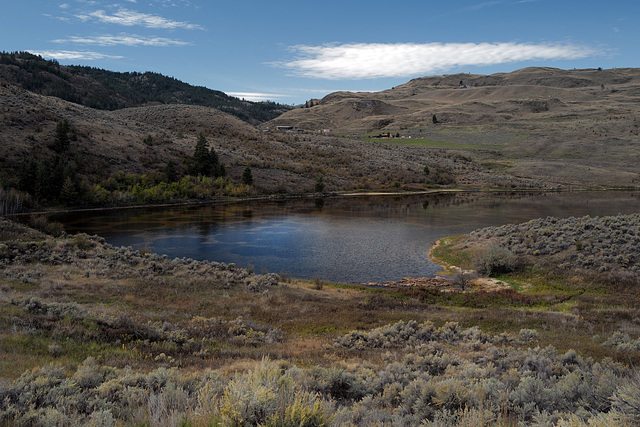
[353,240]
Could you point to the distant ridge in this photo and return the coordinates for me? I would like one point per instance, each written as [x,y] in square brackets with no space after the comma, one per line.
[109,90]
[464,99]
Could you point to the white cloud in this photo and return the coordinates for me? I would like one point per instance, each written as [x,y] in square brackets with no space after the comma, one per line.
[174,3]
[376,60]
[256,96]
[123,39]
[64,6]
[131,17]
[73,55]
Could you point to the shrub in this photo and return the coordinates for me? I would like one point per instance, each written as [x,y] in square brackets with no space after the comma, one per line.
[626,399]
[254,397]
[528,335]
[497,260]
[463,279]
[622,342]
[532,394]
[307,410]
[42,223]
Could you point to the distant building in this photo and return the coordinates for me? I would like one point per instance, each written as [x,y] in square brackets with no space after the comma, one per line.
[386,135]
[289,128]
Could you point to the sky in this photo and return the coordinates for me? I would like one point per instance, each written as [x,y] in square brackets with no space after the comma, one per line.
[292,51]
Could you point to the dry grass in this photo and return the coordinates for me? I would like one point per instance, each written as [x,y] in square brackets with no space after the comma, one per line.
[280,162]
[535,122]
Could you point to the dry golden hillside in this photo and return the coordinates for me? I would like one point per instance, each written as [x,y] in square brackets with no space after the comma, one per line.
[283,162]
[532,128]
[574,127]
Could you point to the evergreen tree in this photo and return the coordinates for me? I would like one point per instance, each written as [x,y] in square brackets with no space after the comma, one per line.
[44,187]
[221,170]
[206,162]
[247,176]
[217,168]
[61,141]
[319,187]
[28,175]
[170,172]
[58,175]
[68,193]
[201,157]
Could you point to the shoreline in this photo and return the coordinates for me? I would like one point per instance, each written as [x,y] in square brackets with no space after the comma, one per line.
[302,196]
[440,279]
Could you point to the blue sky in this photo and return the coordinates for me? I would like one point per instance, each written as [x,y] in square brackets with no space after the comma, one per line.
[292,51]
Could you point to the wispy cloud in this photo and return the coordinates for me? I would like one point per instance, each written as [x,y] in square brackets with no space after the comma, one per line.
[130,18]
[124,40]
[256,96]
[174,3]
[376,60]
[73,55]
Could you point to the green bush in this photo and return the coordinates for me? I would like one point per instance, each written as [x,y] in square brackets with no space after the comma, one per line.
[497,260]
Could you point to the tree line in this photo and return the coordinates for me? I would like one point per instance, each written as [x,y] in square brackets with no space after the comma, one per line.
[65,179]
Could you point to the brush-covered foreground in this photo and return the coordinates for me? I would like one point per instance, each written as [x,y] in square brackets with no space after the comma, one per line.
[92,334]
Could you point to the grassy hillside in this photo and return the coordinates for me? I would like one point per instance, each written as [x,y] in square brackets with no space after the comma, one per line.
[142,141]
[109,90]
[531,129]
[576,127]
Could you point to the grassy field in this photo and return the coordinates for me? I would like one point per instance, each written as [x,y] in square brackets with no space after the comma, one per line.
[423,142]
[101,335]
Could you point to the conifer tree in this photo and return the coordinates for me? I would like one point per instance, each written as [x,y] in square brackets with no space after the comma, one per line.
[28,175]
[68,191]
[217,168]
[201,157]
[44,187]
[247,176]
[61,141]
[205,161]
[170,172]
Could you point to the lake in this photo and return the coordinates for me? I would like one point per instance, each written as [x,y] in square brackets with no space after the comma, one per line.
[343,239]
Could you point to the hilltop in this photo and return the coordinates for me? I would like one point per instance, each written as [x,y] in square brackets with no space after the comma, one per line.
[462,99]
[110,90]
[576,127]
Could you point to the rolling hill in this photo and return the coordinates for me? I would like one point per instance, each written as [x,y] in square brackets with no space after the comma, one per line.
[536,128]
[575,127]
[109,90]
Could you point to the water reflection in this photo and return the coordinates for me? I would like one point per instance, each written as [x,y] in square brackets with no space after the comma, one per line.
[358,239]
